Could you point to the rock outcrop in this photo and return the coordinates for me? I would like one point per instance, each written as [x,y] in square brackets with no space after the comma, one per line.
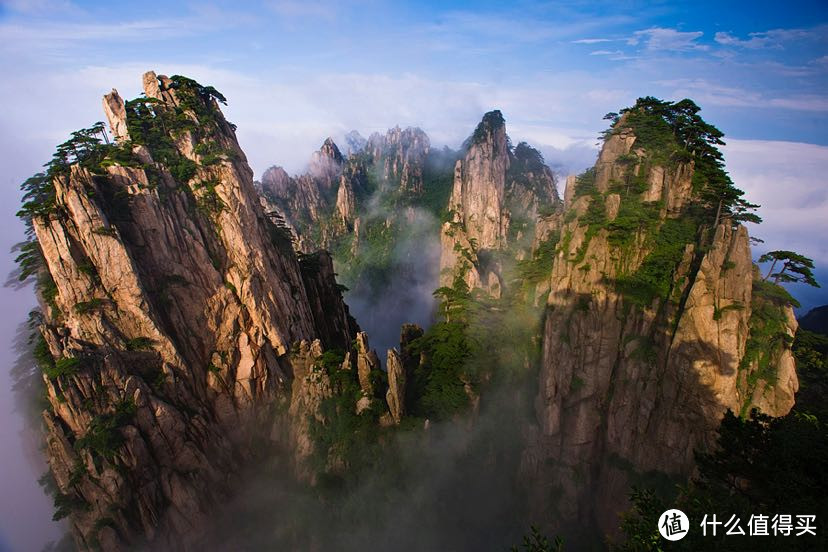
[399,157]
[326,202]
[395,397]
[647,323]
[305,201]
[495,200]
[478,195]
[367,363]
[115,112]
[176,304]
[354,142]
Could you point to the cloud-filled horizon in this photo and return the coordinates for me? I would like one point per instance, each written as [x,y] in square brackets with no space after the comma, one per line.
[296,72]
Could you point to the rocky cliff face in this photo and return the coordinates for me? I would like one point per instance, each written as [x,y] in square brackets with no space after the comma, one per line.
[653,317]
[175,306]
[310,203]
[380,222]
[646,335]
[326,202]
[399,157]
[496,197]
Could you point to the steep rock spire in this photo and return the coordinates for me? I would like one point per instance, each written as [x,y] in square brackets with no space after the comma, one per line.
[176,304]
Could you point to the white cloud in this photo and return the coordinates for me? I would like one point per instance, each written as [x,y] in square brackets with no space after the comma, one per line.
[69,31]
[65,37]
[660,38]
[802,102]
[788,180]
[705,92]
[607,53]
[591,40]
[727,39]
[64,41]
[769,39]
[283,118]
[39,7]
[512,29]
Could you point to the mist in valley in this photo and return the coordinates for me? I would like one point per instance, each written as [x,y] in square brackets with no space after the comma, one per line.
[451,484]
[381,308]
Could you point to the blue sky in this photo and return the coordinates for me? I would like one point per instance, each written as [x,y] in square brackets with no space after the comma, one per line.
[554,68]
[735,60]
[297,71]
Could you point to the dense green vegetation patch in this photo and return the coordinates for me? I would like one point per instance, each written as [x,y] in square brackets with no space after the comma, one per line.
[139,344]
[672,133]
[103,436]
[761,466]
[66,504]
[342,435]
[539,266]
[654,278]
[374,265]
[768,336]
[86,307]
[436,389]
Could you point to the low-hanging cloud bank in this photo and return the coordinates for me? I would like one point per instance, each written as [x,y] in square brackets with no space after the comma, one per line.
[788,180]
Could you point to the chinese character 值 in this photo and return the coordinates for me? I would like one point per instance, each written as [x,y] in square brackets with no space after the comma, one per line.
[674,525]
[758,525]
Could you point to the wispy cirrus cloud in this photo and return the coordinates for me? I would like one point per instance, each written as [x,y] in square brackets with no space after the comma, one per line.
[706,92]
[785,70]
[666,39]
[65,37]
[801,102]
[591,40]
[519,28]
[51,31]
[38,7]
[775,38]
